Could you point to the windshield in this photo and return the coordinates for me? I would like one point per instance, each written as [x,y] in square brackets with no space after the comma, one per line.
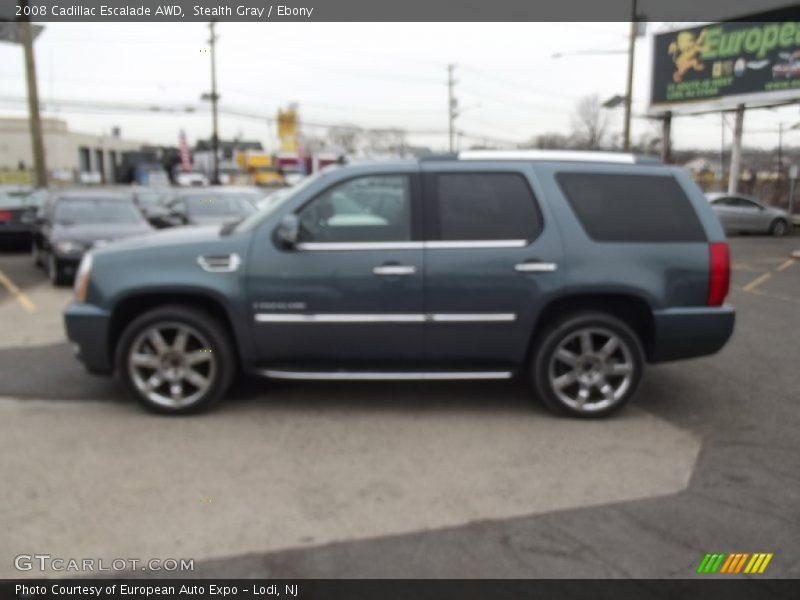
[151,199]
[96,210]
[253,220]
[212,205]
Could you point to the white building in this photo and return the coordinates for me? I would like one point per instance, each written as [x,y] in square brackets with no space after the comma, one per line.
[70,156]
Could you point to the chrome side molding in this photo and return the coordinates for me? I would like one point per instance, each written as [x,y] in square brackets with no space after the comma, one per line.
[338,318]
[472,318]
[385,318]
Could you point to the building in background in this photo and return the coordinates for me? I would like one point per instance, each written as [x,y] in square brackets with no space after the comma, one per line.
[72,157]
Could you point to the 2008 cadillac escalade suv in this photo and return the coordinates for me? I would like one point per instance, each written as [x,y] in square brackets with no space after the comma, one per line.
[575,269]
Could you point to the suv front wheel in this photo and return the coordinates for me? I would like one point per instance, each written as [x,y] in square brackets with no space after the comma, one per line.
[587,364]
[175,360]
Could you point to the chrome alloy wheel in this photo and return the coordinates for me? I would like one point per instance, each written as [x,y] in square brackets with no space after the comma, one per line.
[172,364]
[591,369]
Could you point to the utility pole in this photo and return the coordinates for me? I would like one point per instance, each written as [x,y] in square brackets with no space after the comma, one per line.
[736,151]
[451,105]
[37,142]
[629,87]
[214,98]
[780,148]
[666,138]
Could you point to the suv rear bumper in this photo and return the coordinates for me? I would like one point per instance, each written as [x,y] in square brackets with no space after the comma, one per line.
[87,328]
[690,332]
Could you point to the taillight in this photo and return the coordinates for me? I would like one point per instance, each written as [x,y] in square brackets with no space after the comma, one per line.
[719,273]
[5,215]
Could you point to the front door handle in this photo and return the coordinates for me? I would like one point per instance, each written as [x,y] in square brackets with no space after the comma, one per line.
[394,270]
[534,266]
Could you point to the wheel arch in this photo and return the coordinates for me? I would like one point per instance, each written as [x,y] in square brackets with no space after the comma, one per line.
[632,309]
[133,305]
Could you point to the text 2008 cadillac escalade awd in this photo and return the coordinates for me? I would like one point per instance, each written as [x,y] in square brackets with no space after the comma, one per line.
[574,269]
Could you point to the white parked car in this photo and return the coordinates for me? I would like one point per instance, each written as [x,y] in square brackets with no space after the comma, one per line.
[190,179]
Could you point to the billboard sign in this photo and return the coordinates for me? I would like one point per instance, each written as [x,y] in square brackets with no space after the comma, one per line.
[726,64]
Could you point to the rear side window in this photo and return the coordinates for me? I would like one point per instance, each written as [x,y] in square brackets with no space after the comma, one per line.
[486,206]
[631,208]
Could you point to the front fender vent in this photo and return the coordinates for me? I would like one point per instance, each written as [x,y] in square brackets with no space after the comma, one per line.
[219,263]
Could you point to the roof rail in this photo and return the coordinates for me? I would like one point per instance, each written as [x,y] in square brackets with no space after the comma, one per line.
[439,156]
[558,155]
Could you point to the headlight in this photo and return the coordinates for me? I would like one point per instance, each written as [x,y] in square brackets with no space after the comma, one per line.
[67,247]
[82,278]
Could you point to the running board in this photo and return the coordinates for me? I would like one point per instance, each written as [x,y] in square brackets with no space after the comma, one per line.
[383,376]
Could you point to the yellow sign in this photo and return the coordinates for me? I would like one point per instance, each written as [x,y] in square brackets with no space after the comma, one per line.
[15,178]
[287,130]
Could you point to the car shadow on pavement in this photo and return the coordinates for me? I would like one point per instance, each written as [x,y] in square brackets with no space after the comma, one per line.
[51,372]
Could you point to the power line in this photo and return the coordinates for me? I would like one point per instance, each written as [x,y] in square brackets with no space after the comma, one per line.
[190,110]
[515,84]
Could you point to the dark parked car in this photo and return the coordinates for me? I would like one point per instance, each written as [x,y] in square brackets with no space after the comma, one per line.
[211,206]
[71,223]
[153,204]
[18,207]
[575,269]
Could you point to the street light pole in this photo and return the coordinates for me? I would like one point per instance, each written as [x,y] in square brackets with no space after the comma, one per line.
[214,97]
[37,141]
[451,105]
[736,151]
[629,87]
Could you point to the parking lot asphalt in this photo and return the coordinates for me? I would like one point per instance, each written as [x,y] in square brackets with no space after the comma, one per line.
[411,480]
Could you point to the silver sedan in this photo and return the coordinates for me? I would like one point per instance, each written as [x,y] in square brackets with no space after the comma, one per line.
[745,214]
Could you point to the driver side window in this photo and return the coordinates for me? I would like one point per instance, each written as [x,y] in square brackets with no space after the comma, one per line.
[364,209]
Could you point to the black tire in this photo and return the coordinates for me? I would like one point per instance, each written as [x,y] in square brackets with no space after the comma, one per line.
[210,328]
[545,369]
[55,271]
[779,228]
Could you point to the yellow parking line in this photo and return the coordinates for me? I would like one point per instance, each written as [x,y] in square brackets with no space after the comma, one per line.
[21,296]
[756,282]
[787,264]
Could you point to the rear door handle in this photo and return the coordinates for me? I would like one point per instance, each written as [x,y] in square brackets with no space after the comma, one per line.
[535,267]
[394,270]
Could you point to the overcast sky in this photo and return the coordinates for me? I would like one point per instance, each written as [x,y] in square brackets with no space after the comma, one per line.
[369,74]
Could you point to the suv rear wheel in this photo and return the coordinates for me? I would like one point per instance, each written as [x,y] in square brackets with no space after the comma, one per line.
[587,364]
[175,360]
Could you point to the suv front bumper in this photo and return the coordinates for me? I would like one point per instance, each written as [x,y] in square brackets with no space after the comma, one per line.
[690,332]
[88,328]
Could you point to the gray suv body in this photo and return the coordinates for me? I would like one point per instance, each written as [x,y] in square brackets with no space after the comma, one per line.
[575,269]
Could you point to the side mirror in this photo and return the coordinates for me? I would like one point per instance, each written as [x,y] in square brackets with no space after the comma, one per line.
[288,231]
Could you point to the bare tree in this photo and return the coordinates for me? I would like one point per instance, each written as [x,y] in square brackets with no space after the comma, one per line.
[344,137]
[385,140]
[590,123]
[551,141]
